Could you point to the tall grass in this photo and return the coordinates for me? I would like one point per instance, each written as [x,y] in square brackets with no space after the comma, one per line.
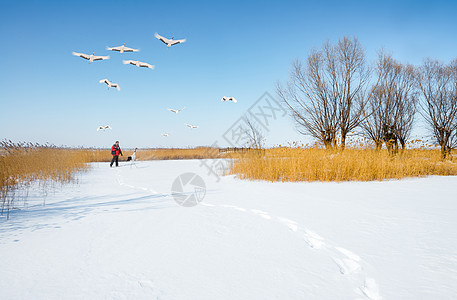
[178,153]
[317,164]
[104,155]
[22,164]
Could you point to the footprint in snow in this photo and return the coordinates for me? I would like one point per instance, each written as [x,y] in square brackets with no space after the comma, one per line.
[292,225]
[286,221]
[314,243]
[145,283]
[261,213]
[348,253]
[349,264]
[313,239]
[346,266]
[370,289]
[234,207]
[240,209]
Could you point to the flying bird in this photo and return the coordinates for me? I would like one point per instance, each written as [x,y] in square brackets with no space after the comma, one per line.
[103,127]
[175,110]
[169,42]
[91,57]
[191,126]
[122,49]
[165,134]
[138,63]
[224,99]
[110,84]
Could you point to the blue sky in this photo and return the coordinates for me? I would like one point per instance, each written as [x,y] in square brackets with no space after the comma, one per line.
[233,48]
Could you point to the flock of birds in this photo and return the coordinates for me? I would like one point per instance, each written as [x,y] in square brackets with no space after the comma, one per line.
[121,49]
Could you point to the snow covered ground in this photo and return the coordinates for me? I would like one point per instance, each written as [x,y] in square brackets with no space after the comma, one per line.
[119,234]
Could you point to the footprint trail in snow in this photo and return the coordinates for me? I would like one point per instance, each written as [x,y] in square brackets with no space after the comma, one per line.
[348,263]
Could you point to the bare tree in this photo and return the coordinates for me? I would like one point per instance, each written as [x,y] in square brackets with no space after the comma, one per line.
[309,101]
[406,96]
[376,123]
[330,92]
[350,78]
[438,85]
[379,108]
[390,111]
[254,134]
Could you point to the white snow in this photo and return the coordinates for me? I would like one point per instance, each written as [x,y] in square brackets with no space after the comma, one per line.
[118,234]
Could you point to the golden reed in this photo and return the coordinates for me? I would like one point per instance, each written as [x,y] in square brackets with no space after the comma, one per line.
[317,164]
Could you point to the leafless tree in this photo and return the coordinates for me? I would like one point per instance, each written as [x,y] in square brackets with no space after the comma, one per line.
[351,79]
[310,104]
[390,111]
[375,124]
[254,134]
[406,96]
[329,93]
[438,85]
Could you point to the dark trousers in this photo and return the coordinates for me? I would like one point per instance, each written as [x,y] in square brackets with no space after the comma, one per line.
[115,159]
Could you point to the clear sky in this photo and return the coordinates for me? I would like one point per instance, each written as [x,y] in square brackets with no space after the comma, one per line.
[234,48]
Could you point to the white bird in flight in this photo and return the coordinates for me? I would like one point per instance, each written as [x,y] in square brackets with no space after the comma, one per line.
[175,110]
[191,126]
[138,63]
[122,49]
[110,84]
[165,134]
[224,99]
[103,127]
[91,57]
[169,42]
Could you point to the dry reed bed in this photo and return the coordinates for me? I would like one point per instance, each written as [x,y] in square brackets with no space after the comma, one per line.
[39,163]
[104,155]
[178,153]
[315,164]
[23,164]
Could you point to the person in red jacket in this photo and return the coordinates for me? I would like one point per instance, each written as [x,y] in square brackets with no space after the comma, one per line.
[115,151]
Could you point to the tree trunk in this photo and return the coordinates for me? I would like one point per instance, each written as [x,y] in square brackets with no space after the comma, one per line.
[389,146]
[443,151]
[392,146]
[328,144]
[378,144]
[343,140]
